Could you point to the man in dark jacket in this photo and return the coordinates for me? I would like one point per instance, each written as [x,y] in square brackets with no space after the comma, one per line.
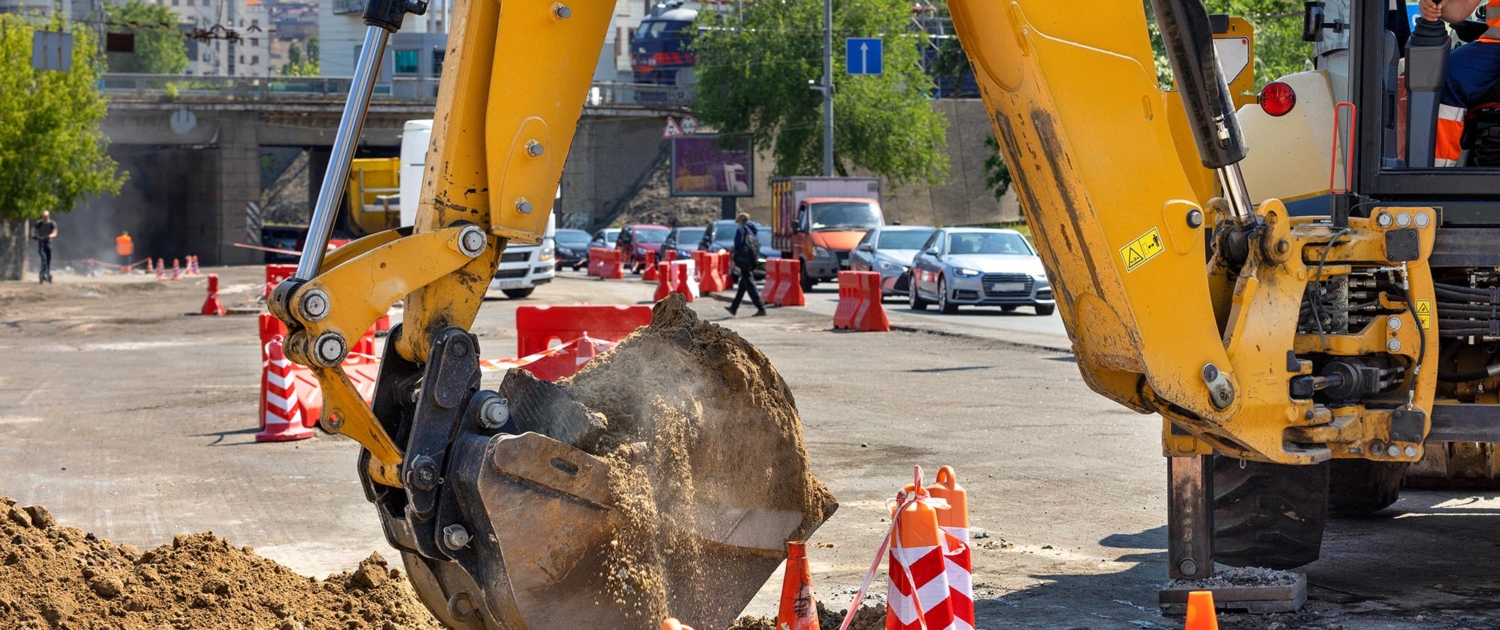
[44,231]
[746,253]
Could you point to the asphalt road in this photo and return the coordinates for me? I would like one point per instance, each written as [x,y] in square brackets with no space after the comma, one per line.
[1021,326]
[130,419]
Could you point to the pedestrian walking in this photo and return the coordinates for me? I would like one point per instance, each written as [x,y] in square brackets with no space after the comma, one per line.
[45,231]
[746,253]
[126,249]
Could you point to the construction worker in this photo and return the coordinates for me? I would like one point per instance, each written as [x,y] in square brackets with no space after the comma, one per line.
[125,249]
[45,230]
[1473,69]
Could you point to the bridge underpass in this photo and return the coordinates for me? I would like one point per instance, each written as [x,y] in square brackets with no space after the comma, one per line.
[200,156]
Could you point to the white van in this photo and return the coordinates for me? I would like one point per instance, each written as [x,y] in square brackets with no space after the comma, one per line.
[522,267]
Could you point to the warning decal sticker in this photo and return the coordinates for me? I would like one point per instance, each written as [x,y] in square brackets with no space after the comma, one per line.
[1424,314]
[1142,250]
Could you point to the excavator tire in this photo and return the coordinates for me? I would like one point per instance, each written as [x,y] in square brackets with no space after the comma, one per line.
[1360,487]
[1268,515]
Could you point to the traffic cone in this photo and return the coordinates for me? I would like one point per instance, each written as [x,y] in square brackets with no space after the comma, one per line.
[1200,611]
[954,522]
[176,269]
[161,269]
[211,306]
[149,268]
[192,266]
[797,612]
[918,595]
[280,409]
[648,274]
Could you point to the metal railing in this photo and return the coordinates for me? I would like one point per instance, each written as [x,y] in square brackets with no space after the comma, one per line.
[173,88]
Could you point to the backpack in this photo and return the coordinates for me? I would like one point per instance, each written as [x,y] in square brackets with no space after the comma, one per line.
[750,251]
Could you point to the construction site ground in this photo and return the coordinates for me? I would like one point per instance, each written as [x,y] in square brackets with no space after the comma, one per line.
[133,420]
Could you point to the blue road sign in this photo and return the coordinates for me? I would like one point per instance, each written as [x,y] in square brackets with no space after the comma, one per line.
[862,55]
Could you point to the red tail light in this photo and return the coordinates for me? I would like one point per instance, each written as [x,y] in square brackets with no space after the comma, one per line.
[1277,99]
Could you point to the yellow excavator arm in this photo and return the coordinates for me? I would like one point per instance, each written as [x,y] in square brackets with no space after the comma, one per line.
[1170,311]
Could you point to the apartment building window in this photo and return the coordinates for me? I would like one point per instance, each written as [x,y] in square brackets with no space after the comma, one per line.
[254,23]
[438,55]
[254,41]
[407,61]
[254,60]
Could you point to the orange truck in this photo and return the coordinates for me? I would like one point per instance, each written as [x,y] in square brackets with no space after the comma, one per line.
[819,220]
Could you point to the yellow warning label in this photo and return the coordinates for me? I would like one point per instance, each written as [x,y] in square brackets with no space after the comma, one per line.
[1142,250]
[1424,314]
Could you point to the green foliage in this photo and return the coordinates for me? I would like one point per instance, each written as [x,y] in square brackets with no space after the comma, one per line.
[51,150]
[300,65]
[754,77]
[159,47]
[1279,49]
[996,172]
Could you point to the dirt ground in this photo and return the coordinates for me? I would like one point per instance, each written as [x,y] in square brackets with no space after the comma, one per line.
[131,420]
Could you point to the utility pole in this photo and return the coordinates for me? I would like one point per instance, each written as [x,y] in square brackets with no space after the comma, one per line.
[828,88]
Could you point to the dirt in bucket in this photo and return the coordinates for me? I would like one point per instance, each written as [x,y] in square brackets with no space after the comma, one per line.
[54,577]
[698,425]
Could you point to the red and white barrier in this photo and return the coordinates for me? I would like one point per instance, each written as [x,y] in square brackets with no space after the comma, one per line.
[860,303]
[784,283]
[959,563]
[282,415]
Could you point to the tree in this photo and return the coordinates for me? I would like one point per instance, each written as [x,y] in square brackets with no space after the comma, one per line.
[52,152]
[159,48]
[298,65]
[754,76]
[996,172]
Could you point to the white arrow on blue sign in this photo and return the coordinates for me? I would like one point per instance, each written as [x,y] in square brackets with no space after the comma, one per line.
[862,55]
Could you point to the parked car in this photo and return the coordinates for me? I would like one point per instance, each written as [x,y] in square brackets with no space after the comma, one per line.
[523,268]
[605,238]
[685,240]
[889,250]
[979,267]
[572,248]
[635,240]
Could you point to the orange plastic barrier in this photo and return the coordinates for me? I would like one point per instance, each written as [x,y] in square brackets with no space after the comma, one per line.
[648,273]
[275,274]
[211,306]
[540,327]
[784,283]
[609,263]
[713,274]
[859,303]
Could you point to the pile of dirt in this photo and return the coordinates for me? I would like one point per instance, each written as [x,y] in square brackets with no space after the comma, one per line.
[654,204]
[867,618]
[63,578]
[697,426]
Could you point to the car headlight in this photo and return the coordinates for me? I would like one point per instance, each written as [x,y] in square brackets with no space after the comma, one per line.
[1041,278]
[819,252]
[885,266]
[548,251]
[965,273]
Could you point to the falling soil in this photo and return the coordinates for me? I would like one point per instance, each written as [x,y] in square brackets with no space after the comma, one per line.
[700,428]
[54,577]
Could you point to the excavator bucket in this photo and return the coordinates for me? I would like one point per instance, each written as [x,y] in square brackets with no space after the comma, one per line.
[662,480]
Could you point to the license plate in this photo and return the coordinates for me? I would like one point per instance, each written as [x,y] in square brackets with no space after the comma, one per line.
[1007,287]
[510,283]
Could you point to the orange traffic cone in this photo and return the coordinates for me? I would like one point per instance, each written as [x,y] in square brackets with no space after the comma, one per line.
[211,306]
[281,411]
[1200,611]
[161,269]
[673,624]
[958,563]
[176,269]
[797,612]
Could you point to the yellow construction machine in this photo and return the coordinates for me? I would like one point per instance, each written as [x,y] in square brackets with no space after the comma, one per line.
[1306,302]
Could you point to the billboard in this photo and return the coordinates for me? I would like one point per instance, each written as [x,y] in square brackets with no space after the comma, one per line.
[711,165]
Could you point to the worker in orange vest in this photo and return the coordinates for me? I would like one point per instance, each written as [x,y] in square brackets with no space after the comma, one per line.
[125,248]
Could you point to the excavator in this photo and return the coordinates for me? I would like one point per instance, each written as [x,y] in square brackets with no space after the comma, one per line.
[1304,336]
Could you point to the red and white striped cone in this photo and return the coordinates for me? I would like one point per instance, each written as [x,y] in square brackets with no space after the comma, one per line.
[211,306]
[192,266]
[954,522]
[149,267]
[161,269]
[176,269]
[918,596]
[281,411]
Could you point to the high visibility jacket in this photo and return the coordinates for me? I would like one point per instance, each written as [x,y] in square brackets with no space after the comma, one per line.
[1492,18]
[123,246]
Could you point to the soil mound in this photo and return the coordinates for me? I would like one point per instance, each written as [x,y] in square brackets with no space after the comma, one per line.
[54,577]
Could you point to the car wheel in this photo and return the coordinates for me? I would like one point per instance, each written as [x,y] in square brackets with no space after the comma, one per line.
[1045,309]
[807,281]
[912,299]
[516,294]
[944,304]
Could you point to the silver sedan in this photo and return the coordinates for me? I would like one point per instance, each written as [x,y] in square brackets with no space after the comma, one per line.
[979,267]
[889,250]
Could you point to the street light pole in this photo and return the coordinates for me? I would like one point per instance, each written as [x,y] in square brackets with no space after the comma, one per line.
[827,88]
